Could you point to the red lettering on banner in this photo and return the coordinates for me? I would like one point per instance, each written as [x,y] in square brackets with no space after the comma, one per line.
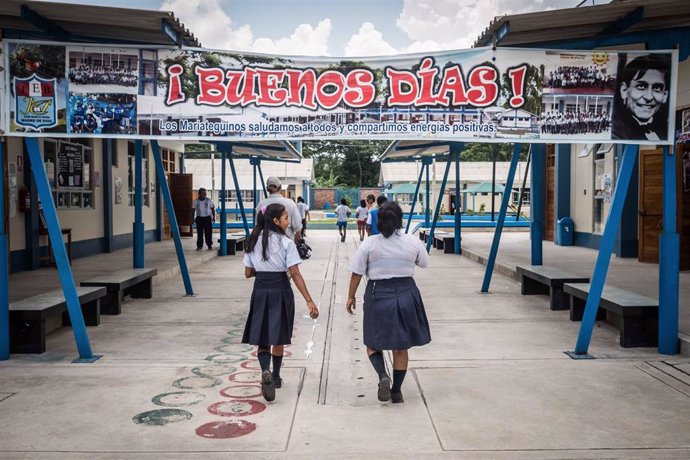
[360,90]
[248,95]
[234,94]
[175,93]
[300,81]
[453,82]
[483,82]
[426,75]
[269,92]
[398,95]
[211,86]
[517,83]
[330,79]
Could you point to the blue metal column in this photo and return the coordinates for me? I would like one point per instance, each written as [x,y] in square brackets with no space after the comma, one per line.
[501,217]
[261,178]
[138,226]
[238,191]
[107,184]
[69,287]
[455,149]
[172,219]
[438,206]
[538,202]
[605,249]
[562,181]
[4,270]
[255,195]
[669,260]
[427,210]
[414,199]
[223,216]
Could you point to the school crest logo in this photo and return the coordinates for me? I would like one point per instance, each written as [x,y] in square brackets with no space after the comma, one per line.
[36,102]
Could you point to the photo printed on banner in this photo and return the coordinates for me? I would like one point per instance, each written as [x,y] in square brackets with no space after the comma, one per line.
[103,70]
[37,88]
[578,95]
[641,103]
[102,114]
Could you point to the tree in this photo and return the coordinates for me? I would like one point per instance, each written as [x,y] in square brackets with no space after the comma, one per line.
[355,163]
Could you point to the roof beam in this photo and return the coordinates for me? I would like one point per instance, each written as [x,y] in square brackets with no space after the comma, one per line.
[624,23]
[44,24]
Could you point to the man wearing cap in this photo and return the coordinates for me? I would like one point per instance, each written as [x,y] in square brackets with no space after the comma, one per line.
[273,185]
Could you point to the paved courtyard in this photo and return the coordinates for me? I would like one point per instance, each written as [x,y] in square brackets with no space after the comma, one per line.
[175,381]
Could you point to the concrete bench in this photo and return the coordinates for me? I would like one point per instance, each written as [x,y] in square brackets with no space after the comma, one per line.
[541,279]
[235,243]
[444,241]
[636,316]
[135,282]
[29,317]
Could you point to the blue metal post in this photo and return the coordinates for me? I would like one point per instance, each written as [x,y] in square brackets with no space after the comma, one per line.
[438,206]
[4,270]
[669,260]
[414,199]
[261,178]
[501,217]
[455,149]
[605,249]
[538,202]
[223,214]
[427,211]
[255,197]
[238,191]
[138,226]
[69,287]
[172,219]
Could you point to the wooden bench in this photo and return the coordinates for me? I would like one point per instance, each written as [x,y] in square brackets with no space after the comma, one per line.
[636,316]
[444,241]
[541,279]
[28,316]
[135,282]
[235,243]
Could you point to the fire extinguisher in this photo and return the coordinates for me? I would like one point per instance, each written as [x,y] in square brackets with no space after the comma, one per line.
[24,199]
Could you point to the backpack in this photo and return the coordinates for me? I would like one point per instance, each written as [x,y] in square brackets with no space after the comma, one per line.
[303,249]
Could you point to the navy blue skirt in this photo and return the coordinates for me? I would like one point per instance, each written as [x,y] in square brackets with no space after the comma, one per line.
[271,311]
[394,315]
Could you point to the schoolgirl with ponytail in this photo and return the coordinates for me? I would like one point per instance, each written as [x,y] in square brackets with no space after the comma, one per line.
[269,255]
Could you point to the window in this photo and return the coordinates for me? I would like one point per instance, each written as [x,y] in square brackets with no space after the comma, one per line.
[146,186]
[526,197]
[70,176]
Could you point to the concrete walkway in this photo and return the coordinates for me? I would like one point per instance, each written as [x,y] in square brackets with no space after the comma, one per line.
[175,381]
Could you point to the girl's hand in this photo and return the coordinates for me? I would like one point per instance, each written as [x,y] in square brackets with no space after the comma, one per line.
[313,310]
[351,305]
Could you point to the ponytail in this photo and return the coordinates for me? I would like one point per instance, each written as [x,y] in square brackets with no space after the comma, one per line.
[264,226]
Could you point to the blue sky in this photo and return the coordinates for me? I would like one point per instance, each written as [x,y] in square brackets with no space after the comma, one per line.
[338,27]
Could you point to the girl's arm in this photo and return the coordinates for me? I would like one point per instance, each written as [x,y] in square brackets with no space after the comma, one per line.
[302,287]
[354,284]
[249,272]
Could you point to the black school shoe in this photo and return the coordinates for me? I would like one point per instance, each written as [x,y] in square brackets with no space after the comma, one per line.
[277,382]
[397,398]
[384,389]
[268,389]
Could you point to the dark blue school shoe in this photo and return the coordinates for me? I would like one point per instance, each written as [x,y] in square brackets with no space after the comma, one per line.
[268,390]
[397,398]
[277,382]
[384,389]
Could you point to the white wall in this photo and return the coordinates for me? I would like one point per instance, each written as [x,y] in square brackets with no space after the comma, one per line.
[581,189]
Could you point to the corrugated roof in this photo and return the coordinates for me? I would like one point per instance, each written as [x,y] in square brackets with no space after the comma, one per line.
[586,22]
[90,23]
[470,171]
[484,187]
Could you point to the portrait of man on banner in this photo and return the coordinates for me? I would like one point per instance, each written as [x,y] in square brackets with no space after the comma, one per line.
[641,100]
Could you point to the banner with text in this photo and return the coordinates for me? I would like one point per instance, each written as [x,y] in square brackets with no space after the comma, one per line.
[475,95]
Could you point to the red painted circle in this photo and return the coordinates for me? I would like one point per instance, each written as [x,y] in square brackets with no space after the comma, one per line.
[236,408]
[248,365]
[225,429]
[245,377]
[241,391]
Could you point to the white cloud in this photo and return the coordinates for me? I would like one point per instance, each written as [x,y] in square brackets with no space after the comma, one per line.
[368,42]
[453,24]
[214,28]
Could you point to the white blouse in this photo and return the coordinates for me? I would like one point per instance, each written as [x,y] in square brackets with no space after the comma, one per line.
[282,254]
[382,258]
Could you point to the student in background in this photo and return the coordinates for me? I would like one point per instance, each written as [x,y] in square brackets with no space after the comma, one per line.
[372,219]
[205,216]
[304,214]
[342,212]
[362,213]
[371,201]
